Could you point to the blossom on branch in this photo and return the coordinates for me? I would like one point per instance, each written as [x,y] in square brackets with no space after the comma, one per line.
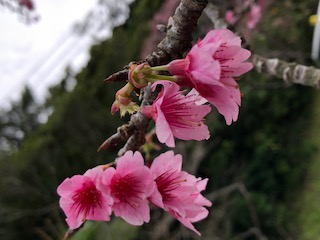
[254,16]
[177,115]
[127,190]
[178,192]
[229,17]
[81,200]
[210,67]
[130,184]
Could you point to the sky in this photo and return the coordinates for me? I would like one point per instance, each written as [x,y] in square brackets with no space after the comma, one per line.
[37,54]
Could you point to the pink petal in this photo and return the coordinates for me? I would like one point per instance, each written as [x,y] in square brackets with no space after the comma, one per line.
[213,36]
[186,223]
[198,215]
[225,100]
[166,162]
[233,88]
[66,188]
[156,198]
[203,65]
[129,162]
[104,183]
[228,37]
[198,133]
[195,96]
[201,185]
[103,212]
[237,71]
[227,52]
[94,173]
[136,215]
[163,131]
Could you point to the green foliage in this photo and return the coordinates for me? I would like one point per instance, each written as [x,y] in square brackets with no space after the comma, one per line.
[19,121]
[267,150]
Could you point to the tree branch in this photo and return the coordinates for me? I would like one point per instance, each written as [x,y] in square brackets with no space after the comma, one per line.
[120,76]
[179,35]
[290,72]
[134,131]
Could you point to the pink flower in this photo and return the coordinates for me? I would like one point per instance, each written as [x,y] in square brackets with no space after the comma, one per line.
[254,16]
[229,17]
[130,184]
[81,200]
[210,66]
[177,115]
[178,192]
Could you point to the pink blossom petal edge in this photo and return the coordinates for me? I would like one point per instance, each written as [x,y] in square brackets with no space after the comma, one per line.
[81,200]
[178,192]
[130,184]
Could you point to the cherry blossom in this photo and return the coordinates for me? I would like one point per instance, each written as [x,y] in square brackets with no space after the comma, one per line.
[81,200]
[130,184]
[229,17]
[177,115]
[178,192]
[254,16]
[210,67]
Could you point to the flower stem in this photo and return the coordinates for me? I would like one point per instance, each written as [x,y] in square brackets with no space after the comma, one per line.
[160,68]
[154,78]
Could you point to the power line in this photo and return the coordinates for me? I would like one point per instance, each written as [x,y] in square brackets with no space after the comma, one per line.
[43,61]
[67,55]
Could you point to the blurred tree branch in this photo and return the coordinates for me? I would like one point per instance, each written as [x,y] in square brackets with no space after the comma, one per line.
[290,72]
[238,186]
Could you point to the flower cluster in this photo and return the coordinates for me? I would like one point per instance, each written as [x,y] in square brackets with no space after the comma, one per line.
[128,189]
[209,69]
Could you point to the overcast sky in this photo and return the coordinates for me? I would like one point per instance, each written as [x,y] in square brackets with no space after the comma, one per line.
[37,54]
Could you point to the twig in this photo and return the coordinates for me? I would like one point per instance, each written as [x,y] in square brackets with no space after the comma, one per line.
[243,190]
[134,131]
[118,76]
[252,231]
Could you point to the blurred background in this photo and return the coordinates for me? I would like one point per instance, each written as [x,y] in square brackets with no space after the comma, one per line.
[55,112]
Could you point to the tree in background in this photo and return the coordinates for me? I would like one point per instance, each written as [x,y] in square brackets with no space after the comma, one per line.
[18,122]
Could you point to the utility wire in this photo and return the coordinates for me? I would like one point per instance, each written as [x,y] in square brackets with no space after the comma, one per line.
[43,61]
